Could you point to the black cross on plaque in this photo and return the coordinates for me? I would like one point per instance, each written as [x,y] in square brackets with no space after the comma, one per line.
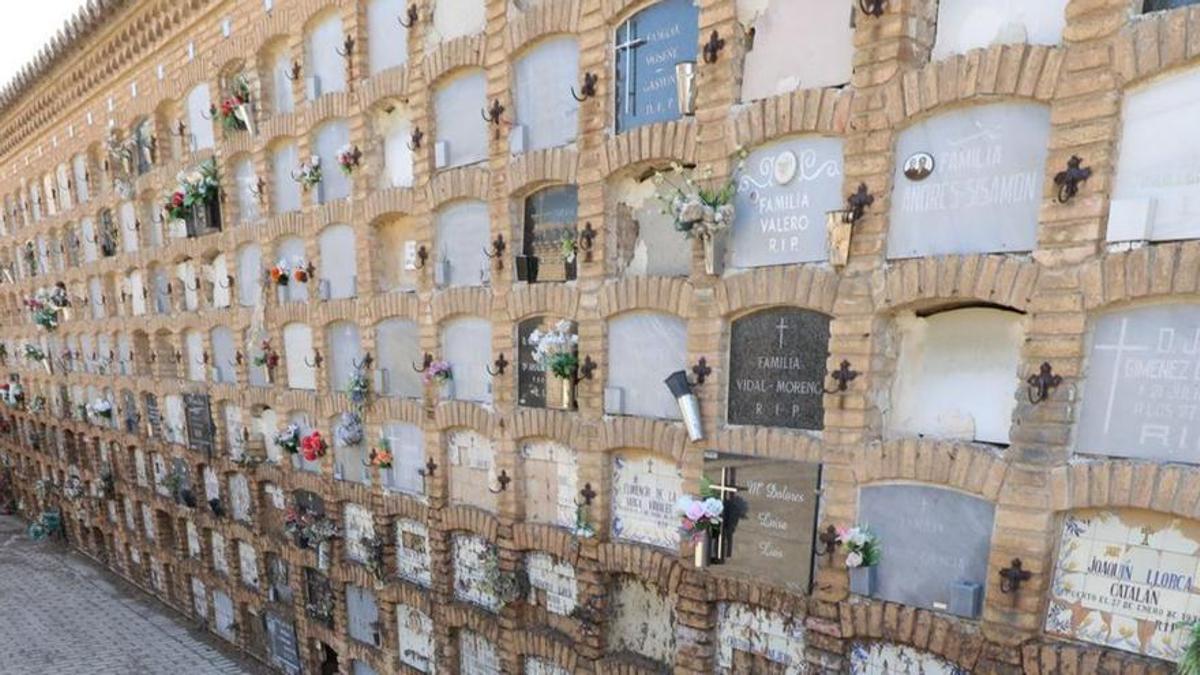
[725,490]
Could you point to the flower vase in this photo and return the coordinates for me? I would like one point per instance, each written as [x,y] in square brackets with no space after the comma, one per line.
[862,580]
[700,549]
[710,256]
[566,399]
[323,556]
[446,389]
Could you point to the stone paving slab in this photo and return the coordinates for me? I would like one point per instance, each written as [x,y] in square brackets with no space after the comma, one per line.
[60,615]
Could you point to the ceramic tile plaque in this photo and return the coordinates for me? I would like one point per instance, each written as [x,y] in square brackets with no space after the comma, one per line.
[412,552]
[1126,579]
[1142,385]
[970,181]
[781,200]
[552,581]
[771,516]
[642,621]
[777,365]
[933,538]
[416,638]
[644,490]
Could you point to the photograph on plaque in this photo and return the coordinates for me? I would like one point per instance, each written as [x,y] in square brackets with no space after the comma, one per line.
[777,367]
[1126,579]
[770,518]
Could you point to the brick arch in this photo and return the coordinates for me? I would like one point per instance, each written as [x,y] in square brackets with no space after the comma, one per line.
[1144,273]
[554,425]
[665,294]
[449,57]
[804,286]
[811,111]
[533,299]
[540,22]
[1020,71]
[637,148]
[961,466]
[1055,657]
[396,305]
[406,509]
[381,88]
[533,170]
[545,646]
[723,589]
[390,203]
[453,415]
[455,184]
[878,621]
[659,437]
[476,301]
[1123,483]
[657,567]
[998,279]
[459,615]
[616,11]
[767,442]
[1157,44]
[540,538]
[470,520]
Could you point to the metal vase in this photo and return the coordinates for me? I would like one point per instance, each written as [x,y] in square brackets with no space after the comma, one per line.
[685,87]
[862,580]
[700,550]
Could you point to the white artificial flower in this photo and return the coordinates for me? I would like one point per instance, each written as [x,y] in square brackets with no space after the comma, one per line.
[713,507]
[854,559]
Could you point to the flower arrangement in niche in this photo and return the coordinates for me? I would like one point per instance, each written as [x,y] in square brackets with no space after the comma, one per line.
[699,516]
[349,430]
[381,456]
[862,547]
[266,356]
[569,249]
[300,270]
[308,173]
[358,388]
[280,274]
[557,350]
[288,439]
[700,208]
[196,188]
[33,353]
[308,529]
[313,447]
[101,408]
[437,373]
[348,158]
[234,111]
[46,307]
[1189,662]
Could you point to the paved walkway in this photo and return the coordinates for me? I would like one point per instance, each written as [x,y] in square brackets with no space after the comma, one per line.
[61,615]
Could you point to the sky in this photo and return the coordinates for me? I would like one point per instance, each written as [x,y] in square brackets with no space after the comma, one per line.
[24,31]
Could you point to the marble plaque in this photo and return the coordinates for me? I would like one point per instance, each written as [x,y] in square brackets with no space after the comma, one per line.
[472,462]
[551,583]
[412,552]
[754,630]
[970,181]
[647,48]
[248,563]
[1142,384]
[282,644]
[642,621]
[478,655]
[887,658]
[645,488]
[358,523]
[416,638]
[770,518]
[1126,579]
[777,368]
[932,539]
[473,555]
[781,200]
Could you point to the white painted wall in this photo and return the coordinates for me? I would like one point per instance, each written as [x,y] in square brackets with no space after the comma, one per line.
[463,236]
[398,344]
[798,44]
[643,349]
[339,264]
[284,159]
[330,138]
[321,58]
[456,18]
[542,78]
[467,344]
[298,346]
[458,105]
[964,25]
[201,130]
[246,179]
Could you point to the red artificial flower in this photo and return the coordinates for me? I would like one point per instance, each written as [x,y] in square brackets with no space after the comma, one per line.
[177,199]
[313,446]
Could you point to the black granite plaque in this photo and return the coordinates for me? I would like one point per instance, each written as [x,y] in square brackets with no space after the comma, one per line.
[770,518]
[198,412]
[531,379]
[777,368]
[153,415]
[281,642]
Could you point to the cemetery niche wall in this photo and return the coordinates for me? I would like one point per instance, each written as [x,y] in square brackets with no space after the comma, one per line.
[409,190]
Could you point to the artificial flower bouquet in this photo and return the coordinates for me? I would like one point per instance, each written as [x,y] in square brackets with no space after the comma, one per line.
[313,447]
[196,188]
[437,372]
[557,350]
[699,516]
[862,546]
[288,439]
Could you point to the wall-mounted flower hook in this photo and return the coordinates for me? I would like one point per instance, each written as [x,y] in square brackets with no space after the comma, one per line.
[858,203]
[227,282]
[503,480]
[422,256]
[492,114]
[587,239]
[1041,383]
[586,369]
[496,251]
[203,359]
[843,376]
[427,360]
[872,7]
[1013,576]
[588,89]
[429,470]
[414,140]
[501,364]
[829,540]
[588,495]
[294,72]
[1068,181]
[412,16]
[346,51]
[701,371]
[712,48]
[363,364]
[259,189]
[134,226]
[316,361]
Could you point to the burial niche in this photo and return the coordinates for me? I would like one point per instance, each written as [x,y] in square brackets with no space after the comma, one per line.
[963,25]
[797,44]
[777,369]
[644,347]
[647,48]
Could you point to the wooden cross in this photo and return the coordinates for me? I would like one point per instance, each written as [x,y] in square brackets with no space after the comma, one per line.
[725,489]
